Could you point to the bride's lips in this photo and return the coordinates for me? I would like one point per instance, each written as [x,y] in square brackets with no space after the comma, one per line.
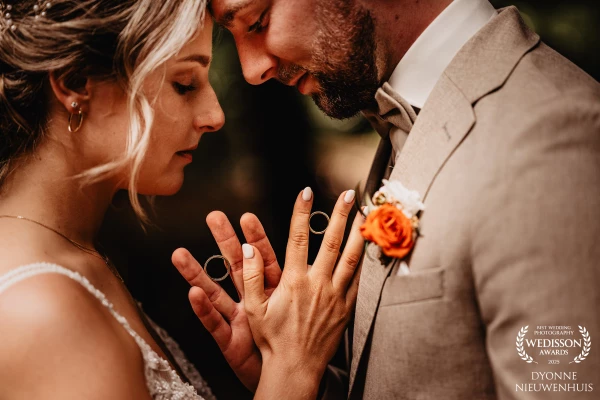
[187,154]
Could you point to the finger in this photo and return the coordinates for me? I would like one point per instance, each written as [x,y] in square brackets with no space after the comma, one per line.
[332,241]
[296,256]
[351,257]
[193,272]
[212,320]
[254,280]
[256,236]
[229,245]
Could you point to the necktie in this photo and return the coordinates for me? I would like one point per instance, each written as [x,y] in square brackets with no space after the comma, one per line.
[393,118]
[391,111]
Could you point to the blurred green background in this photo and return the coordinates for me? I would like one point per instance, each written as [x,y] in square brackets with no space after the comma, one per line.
[275,143]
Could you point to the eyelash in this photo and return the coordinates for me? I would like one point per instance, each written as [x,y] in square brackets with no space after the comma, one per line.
[183,89]
[258,27]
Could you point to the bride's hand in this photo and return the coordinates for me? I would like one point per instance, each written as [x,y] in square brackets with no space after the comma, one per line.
[225,319]
[299,326]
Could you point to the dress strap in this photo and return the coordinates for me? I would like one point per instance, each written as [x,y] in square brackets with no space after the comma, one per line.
[27,271]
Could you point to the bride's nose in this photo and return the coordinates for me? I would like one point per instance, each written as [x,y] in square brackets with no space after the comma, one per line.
[210,117]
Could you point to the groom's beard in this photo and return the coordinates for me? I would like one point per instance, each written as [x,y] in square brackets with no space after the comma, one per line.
[343,59]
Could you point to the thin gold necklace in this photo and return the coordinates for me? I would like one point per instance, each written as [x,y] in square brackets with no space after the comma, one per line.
[81,247]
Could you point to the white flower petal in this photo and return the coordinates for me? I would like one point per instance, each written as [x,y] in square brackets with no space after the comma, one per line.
[410,199]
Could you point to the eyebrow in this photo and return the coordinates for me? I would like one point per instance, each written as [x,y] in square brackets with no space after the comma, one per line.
[199,58]
[230,13]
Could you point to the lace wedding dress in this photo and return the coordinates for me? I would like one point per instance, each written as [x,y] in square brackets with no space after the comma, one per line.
[162,381]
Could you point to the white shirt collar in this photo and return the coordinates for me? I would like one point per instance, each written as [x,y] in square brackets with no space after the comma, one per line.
[423,64]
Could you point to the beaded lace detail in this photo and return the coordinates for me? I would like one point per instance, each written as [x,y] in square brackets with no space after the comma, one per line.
[186,366]
[163,383]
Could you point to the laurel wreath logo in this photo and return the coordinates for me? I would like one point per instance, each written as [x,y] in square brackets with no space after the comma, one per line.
[587,343]
[520,350]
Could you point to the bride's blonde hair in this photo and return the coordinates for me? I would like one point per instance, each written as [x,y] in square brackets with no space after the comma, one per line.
[121,40]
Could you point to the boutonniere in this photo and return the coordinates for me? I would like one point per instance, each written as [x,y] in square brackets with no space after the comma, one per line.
[392,219]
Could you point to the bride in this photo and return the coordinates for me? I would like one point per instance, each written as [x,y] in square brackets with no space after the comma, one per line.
[95,96]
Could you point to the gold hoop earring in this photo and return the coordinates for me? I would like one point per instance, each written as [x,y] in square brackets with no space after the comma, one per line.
[80,115]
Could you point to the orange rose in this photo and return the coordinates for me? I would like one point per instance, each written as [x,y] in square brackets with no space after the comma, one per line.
[390,229]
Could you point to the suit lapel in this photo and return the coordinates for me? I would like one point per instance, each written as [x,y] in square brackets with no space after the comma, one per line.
[373,273]
[432,139]
[438,131]
[442,125]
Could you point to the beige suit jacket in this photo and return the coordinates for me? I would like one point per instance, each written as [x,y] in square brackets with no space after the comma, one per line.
[506,153]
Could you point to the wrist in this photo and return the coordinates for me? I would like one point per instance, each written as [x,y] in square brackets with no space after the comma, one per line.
[296,378]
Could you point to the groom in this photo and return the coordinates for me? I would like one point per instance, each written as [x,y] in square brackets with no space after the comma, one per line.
[500,136]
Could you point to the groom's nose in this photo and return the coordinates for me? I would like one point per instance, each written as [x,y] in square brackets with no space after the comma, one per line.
[258,66]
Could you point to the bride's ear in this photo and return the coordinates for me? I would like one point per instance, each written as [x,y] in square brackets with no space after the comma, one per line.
[71,90]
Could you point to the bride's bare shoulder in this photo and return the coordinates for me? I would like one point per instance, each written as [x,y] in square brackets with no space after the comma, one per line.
[56,334]
[48,298]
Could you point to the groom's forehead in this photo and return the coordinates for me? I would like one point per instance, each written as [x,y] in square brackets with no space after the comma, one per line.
[225,11]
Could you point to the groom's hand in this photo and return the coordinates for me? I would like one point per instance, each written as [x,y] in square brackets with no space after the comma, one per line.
[225,319]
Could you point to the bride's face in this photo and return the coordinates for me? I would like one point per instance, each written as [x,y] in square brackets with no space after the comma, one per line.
[185,107]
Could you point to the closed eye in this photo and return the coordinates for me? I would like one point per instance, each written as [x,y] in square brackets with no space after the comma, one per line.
[258,26]
[183,89]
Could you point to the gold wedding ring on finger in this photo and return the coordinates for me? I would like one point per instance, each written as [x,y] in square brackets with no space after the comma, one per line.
[227,267]
[310,219]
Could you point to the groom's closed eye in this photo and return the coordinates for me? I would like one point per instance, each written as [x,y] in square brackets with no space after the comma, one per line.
[261,24]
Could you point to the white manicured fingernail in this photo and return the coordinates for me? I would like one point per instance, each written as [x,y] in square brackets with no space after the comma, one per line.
[349,196]
[307,194]
[248,251]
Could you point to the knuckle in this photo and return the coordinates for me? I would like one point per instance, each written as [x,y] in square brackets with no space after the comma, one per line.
[353,259]
[299,239]
[214,295]
[202,313]
[342,212]
[316,287]
[214,324]
[332,244]
[194,276]
[251,276]
[234,314]
[236,266]
[302,210]
[293,283]
[250,310]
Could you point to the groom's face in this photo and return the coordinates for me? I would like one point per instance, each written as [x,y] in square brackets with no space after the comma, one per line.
[326,48]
